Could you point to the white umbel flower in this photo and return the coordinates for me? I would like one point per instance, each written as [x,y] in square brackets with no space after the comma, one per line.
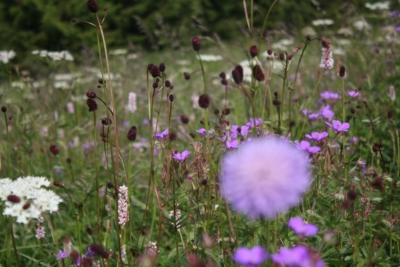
[28,190]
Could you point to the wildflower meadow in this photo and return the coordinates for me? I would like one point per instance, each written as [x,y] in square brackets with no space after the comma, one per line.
[272,149]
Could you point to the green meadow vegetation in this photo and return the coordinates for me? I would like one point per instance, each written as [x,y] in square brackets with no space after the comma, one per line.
[270,148]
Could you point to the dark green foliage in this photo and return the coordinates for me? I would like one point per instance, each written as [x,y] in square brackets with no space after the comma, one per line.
[33,24]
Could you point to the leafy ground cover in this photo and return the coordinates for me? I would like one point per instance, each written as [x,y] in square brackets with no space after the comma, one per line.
[269,151]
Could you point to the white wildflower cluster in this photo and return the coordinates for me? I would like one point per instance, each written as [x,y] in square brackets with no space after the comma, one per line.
[5,56]
[123,213]
[378,5]
[131,107]
[30,199]
[322,22]
[210,57]
[54,55]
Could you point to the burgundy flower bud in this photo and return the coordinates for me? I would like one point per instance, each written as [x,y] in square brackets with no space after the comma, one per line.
[99,250]
[54,150]
[167,83]
[227,111]
[324,43]
[106,121]
[172,136]
[216,112]
[196,43]
[89,231]
[258,74]
[222,75]
[378,184]
[101,81]
[224,82]
[132,133]
[289,57]
[26,206]
[276,102]
[171,98]
[58,184]
[237,74]
[149,66]
[269,52]
[4,109]
[204,101]
[69,160]
[92,6]
[91,94]
[253,51]
[13,198]
[161,67]
[154,71]
[184,119]
[155,85]
[110,185]
[186,76]
[308,38]
[91,103]
[342,71]
[346,203]
[282,56]
[203,182]
[352,195]
[390,115]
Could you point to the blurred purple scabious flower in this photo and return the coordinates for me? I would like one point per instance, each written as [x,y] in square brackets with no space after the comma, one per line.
[298,256]
[316,136]
[302,229]
[232,144]
[62,255]
[329,95]
[162,135]
[126,123]
[313,116]
[353,93]
[395,13]
[203,131]
[326,112]
[181,156]
[244,130]
[264,177]
[306,147]
[254,122]
[250,257]
[337,126]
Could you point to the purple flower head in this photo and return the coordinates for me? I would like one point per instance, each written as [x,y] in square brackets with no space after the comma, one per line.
[233,144]
[298,256]
[162,135]
[316,136]
[337,126]
[302,229]
[250,257]
[202,131]
[329,95]
[398,28]
[181,156]
[305,112]
[239,130]
[87,145]
[353,93]
[62,255]
[326,112]
[375,48]
[394,13]
[254,122]
[264,177]
[313,116]
[306,147]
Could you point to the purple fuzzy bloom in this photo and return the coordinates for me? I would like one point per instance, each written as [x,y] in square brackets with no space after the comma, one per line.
[264,177]
[305,112]
[353,93]
[398,28]
[298,256]
[329,95]
[302,229]
[313,116]
[62,255]
[254,122]
[162,135]
[202,131]
[87,146]
[306,147]
[337,126]
[375,48]
[316,136]
[233,144]
[181,156]
[326,112]
[239,130]
[250,257]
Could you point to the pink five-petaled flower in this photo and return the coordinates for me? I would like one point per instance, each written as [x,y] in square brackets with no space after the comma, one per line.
[316,136]
[305,146]
[337,126]
[181,156]
[302,229]
[162,135]
[250,257]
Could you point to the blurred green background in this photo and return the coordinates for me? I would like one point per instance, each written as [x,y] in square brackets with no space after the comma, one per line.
[46,24]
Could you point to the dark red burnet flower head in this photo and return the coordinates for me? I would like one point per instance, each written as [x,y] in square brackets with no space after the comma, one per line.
[91,103]
[253,51]
[237,74]
[54,150]
[13,198]
[196,43]
[92,6]
[91,94]
[154,71]
[204,101]
[258,73]
[132,133]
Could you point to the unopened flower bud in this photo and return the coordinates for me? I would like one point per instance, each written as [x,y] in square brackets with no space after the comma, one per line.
[196,43]
[204,101]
